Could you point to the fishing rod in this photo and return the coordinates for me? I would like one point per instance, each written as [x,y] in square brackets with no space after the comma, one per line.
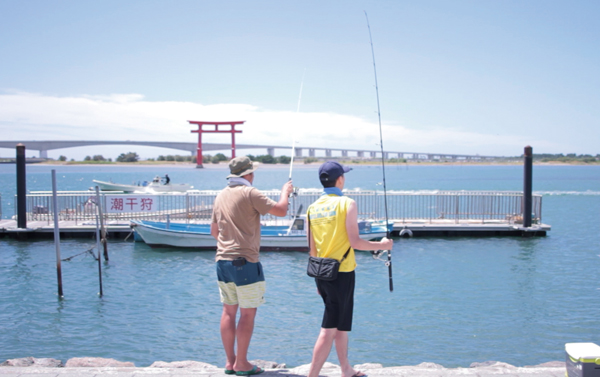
[377,254]
[294,138]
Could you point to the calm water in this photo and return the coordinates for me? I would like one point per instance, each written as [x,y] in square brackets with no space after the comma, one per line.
[456,300]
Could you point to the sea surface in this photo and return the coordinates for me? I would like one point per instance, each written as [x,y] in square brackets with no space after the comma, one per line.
[456,300]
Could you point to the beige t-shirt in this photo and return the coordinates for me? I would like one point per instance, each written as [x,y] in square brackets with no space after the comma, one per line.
[237,211]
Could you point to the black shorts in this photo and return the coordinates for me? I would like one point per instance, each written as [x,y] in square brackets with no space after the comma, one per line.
[338,297]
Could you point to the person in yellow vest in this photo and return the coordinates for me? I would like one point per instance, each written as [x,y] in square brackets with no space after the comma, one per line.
[333,233]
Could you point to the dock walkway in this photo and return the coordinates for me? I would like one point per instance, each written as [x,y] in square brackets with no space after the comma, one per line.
[417,228]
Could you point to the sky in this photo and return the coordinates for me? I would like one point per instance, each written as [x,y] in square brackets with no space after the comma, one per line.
[455,77]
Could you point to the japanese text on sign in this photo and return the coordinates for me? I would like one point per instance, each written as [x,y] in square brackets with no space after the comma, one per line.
[126,204]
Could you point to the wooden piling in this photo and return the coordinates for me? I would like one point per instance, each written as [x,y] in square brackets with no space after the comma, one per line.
[527,186]
[21,188]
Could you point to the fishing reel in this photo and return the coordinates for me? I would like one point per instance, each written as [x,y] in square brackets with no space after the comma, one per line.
[294,192]
[378,254]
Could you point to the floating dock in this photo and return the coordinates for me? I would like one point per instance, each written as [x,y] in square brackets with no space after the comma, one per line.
[414,213]
[424,228]
[466,228]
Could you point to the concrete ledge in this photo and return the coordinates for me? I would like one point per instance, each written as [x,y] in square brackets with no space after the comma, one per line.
[554,369]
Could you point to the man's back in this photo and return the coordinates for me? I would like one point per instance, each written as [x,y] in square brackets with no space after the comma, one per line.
[236,211]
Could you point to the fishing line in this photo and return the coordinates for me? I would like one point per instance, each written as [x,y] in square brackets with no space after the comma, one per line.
[377,254]
[294,137]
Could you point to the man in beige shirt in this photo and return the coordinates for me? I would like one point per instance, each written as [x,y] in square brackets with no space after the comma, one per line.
[236,226]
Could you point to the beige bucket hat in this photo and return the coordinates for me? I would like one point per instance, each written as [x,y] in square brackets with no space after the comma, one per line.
[241,166]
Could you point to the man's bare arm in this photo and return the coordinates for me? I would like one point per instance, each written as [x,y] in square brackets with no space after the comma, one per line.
[280,209]
[353,236]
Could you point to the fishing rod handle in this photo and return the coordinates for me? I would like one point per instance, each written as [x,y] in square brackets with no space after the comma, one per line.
[390,274]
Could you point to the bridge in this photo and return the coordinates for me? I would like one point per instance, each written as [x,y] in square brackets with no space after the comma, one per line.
[44,146]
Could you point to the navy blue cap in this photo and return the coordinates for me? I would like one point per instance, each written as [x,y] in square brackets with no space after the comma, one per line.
[331,170]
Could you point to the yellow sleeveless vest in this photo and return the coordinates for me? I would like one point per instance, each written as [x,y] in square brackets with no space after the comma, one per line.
[327,218]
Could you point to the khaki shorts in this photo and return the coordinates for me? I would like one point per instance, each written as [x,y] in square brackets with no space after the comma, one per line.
[241,285]
[246,296]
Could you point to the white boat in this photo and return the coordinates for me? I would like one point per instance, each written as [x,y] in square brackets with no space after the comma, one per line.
[109,186]
[273,237]
[157,185]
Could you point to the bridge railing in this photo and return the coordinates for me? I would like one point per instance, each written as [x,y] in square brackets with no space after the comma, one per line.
[196,206]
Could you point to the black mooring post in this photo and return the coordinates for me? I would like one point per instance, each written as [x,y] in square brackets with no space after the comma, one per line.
[21,188]
[527,186]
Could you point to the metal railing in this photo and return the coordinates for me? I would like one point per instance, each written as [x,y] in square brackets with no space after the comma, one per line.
[196,206]
[432,206]
[464,206]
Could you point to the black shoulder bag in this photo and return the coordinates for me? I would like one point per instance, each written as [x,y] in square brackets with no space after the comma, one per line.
[324,268]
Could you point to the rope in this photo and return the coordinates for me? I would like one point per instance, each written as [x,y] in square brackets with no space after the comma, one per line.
[83,252]
[129,235]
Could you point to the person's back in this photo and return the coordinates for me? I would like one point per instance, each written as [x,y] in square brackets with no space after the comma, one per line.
[333,232]
[327,219]
[237,211]
[235,225]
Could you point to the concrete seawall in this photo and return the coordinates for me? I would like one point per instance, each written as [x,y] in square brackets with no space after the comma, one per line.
[31,367]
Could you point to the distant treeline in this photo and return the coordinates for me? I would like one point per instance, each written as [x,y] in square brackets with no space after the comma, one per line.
[206,159]
[219,157]
[569,157]
[268,159]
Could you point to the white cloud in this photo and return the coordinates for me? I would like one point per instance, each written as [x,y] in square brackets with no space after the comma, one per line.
[30,116]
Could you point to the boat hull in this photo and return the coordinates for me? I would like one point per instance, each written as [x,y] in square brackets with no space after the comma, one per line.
[197,236]
[156,237]
[152,187]
[109,186]
[169,187]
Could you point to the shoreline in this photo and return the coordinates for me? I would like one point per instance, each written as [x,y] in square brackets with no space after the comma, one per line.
[312,164]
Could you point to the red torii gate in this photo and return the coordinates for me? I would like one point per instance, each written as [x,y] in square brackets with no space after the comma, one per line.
[200,131]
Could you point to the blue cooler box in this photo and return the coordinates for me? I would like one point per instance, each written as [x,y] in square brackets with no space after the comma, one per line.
[583,360]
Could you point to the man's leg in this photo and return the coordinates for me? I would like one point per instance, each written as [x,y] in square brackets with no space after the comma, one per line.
[321,351]
[228,333]
[244,335]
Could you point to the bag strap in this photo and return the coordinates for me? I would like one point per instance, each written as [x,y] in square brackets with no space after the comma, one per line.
[308,233]
[345,255]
